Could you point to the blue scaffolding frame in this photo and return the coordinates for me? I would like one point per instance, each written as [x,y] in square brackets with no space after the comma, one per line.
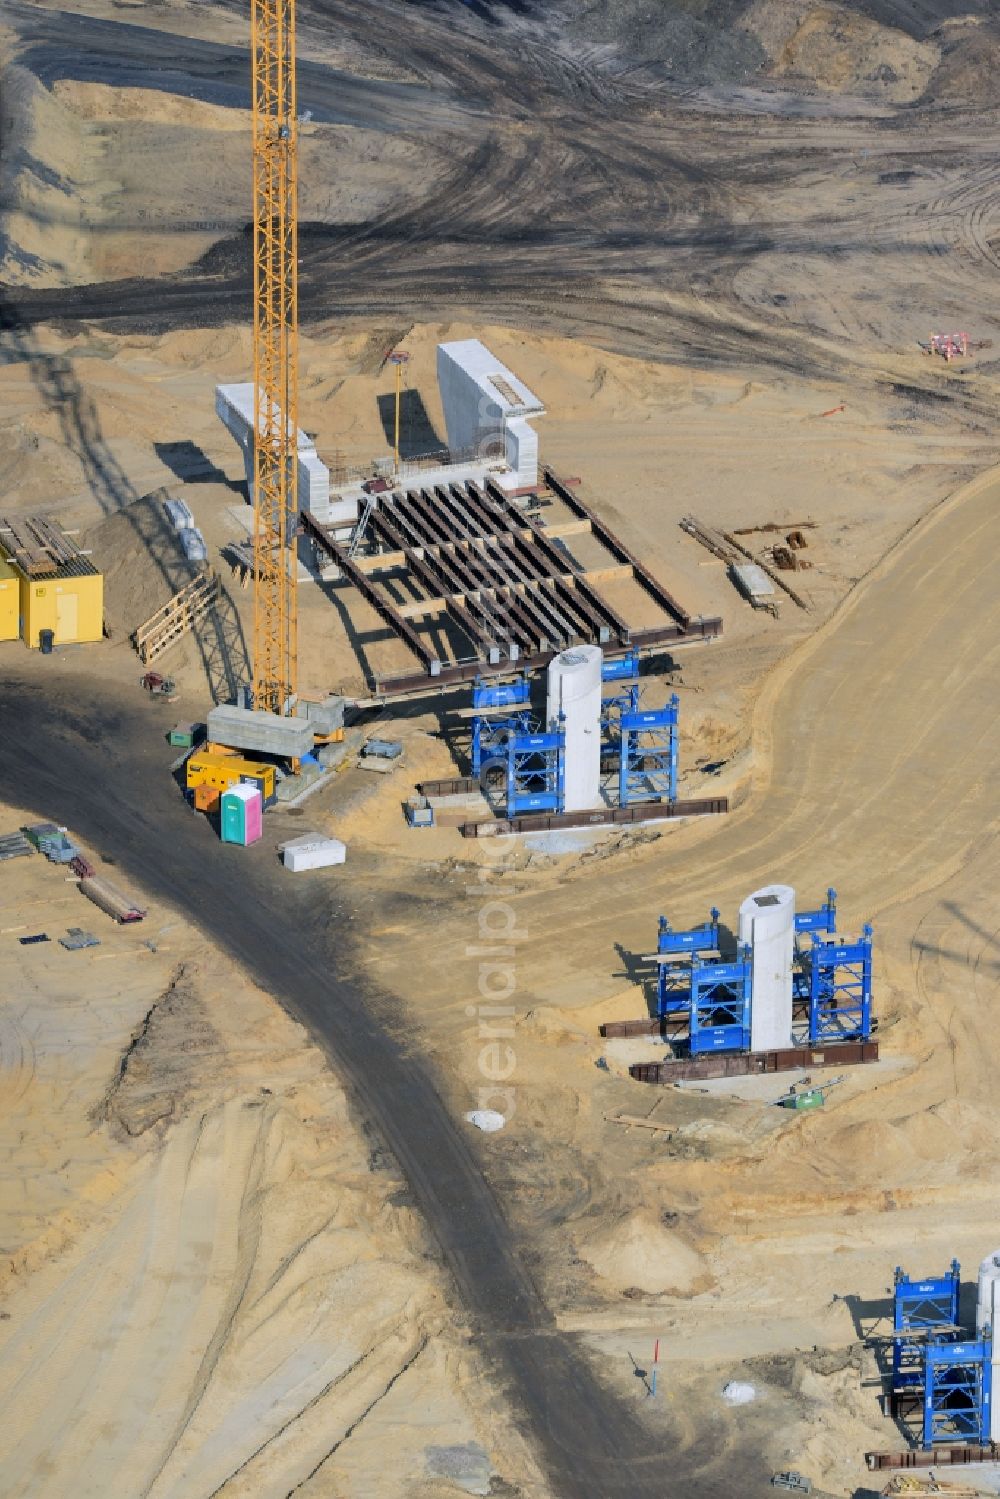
[673,980]
[823,919]
[649,745]
[920,1306]
[489,733]
[490,737]
[493,694]
[720,1004]
[622,668]
[536,772]
[624,672]
[958,1391]
[614,708]
[832,978]
[840,989]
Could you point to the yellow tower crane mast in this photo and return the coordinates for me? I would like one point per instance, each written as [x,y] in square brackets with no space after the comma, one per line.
[275,354]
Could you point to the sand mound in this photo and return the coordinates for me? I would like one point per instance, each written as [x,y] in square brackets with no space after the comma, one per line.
[142,562]
[638,1252]
[98,101]
[967,73]
[689,38]
[97,181]
[46,186]
[832,48]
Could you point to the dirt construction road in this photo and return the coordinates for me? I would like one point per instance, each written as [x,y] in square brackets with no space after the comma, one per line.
[876,744]
[814,238]
[880,738]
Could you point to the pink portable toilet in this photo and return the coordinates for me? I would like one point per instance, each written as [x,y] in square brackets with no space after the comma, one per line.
[253,827]
[241,814]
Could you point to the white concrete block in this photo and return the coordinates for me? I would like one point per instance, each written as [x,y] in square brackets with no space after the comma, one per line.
[178,514]
[193,544]
[767,923]
[234,406]
[314,481]
[573,700]
[313,852]
[263,733]
[486,407]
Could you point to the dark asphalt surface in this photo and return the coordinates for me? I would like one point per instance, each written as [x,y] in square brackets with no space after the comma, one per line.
[68,753]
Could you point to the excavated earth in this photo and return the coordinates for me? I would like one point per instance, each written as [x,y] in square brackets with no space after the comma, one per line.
[251,1245]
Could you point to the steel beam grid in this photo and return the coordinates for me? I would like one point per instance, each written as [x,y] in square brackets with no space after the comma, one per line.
[498,585]
[423,569]
[473,572]
[477,520]
[649,753]
[840,989]
[535,773]
[720,1004]
[957,1392]
[453,576]
[610,541]
[387,611]
[275,336]
[476,557]
[512,561]
[559,563]
[531,629]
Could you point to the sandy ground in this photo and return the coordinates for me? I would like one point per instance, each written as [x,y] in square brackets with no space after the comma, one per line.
[856,740]
[731,1228]
[116,195]
[724,1237]
[115,426]
[211,1283]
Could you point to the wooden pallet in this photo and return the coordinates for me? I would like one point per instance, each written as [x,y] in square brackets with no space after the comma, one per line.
[179,615]
[35,545]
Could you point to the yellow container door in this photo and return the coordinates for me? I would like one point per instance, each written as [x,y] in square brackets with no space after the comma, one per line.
[9,603]
[67,618]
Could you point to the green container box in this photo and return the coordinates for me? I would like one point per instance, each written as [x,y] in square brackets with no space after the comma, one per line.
[812,1099]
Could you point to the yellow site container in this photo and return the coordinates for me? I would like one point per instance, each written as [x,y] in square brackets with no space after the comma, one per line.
[10,602]
[222,771]
[70,603]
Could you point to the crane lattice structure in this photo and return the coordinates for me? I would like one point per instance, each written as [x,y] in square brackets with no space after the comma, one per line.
[275,326]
